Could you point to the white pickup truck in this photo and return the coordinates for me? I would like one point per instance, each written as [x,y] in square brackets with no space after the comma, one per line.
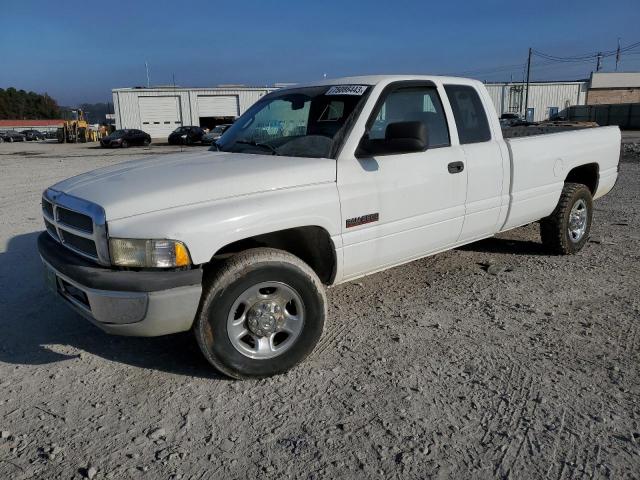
[313,186]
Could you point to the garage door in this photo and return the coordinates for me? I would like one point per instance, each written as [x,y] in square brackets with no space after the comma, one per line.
[159,115]
[218,106]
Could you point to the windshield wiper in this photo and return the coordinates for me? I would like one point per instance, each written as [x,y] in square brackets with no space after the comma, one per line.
[256,144]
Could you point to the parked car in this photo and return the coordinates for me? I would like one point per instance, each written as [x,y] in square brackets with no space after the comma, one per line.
[238,243]
[125,138]
[32,135]
[12,136]
[215,133]
[186,135]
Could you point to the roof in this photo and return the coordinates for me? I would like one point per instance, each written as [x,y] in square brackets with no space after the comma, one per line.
[615,80]
[31,123]
[385,79]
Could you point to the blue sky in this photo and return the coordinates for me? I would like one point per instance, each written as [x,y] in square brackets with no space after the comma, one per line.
[78,53]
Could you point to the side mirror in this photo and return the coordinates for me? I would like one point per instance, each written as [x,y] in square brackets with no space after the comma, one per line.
[400,137]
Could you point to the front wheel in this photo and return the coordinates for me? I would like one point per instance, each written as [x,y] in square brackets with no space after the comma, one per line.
[567,229]
[125,144]
[261,313]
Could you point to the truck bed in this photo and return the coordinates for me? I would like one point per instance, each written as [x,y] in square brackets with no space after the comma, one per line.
[531,130]
[540,164]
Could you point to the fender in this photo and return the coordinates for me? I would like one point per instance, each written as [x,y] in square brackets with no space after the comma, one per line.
[207,227]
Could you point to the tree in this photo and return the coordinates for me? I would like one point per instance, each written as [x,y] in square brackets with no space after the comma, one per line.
[21,105]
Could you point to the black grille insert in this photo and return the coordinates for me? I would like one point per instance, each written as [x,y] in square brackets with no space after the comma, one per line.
[81,244]
[75,220]
[51,229]
[47,208]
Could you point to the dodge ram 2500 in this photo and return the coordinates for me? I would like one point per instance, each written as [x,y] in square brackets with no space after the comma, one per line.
[314,185]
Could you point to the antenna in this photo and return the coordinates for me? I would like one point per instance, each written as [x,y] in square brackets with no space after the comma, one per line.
[146,65]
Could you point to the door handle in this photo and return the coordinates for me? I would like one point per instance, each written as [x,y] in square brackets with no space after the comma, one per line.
[455,167]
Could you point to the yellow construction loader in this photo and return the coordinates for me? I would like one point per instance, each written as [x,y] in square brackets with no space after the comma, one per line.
[76,130]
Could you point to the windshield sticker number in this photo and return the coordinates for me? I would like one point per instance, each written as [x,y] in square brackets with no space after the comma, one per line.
[347,90]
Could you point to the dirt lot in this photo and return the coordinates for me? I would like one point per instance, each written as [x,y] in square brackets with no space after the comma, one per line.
[434,369]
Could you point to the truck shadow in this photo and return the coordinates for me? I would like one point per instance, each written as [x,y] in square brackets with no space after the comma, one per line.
[39,329]
[506,246]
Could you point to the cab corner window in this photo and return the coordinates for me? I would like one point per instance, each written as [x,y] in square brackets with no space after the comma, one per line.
[471,119]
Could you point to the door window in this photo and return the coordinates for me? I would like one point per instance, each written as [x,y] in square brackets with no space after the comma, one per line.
[471,119]
[412,104]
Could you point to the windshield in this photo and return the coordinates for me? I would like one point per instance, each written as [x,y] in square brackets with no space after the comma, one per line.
[182,130]
[299,122]
[118,134]
[219,129]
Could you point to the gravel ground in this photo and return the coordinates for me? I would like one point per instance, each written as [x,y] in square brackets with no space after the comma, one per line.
[490,361]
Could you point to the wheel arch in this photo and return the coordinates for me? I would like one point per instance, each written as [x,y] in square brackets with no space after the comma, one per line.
[587,175]
[311,243]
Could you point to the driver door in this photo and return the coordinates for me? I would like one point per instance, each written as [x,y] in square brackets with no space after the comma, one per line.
[401,206]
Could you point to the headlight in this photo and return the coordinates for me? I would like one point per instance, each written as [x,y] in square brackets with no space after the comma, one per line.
[133,252]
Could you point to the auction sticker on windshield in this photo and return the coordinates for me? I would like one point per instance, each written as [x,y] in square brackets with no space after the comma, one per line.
[347,90]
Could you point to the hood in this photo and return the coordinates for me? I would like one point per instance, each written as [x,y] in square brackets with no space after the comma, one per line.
[167,181]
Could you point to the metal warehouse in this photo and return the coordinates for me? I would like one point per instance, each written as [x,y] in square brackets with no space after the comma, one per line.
[546,99]
[160,110]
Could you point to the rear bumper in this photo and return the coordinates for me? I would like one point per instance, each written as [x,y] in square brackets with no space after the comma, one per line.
[122,302]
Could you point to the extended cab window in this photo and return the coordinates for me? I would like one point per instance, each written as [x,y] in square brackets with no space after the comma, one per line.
[413,104]
[469,114]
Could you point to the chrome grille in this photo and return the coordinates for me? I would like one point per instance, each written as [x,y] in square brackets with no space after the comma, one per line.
[77,224]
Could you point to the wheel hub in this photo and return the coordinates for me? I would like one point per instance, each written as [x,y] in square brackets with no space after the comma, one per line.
[265,318]
[578,221]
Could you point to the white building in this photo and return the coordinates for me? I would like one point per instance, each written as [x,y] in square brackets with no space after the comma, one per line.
[545,98]
[160,110]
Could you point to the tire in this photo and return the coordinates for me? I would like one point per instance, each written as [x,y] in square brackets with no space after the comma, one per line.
[125,144]
[225,310]
[567,229]
[146,142]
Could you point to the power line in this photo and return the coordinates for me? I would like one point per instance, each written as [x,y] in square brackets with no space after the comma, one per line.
[489,70]
[588,56]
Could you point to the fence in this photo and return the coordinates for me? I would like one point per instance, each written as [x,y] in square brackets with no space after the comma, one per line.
[625,115]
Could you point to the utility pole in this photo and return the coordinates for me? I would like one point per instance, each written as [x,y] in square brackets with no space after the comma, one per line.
[599,58]
[618,54]
[146,66]
[526,96]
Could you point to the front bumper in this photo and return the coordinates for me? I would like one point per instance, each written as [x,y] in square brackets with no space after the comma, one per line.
[119,302]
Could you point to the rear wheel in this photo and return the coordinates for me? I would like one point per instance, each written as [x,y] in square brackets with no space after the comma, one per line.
[567,229]
[262,312]
[125,144]
[146,142]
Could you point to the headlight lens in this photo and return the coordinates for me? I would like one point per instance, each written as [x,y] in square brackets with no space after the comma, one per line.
[133,252]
